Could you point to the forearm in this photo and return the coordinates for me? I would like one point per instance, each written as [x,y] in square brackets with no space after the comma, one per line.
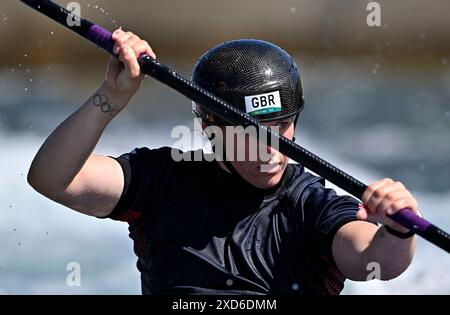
[68,147]
[391,253]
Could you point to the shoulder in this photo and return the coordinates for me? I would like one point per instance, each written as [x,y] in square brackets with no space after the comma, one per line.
[145,152]
[167,162]
[309,191]
[302,179]
[164,154]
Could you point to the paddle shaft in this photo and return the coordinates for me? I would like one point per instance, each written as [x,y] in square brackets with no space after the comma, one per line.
[231,114]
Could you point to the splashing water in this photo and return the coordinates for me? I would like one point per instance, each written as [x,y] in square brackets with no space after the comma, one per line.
[104,12]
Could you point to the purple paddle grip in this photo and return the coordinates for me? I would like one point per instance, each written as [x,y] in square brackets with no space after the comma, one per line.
[410,220]
[101,38]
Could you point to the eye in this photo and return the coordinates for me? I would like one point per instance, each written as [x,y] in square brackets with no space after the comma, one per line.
[284,125]
[281,126]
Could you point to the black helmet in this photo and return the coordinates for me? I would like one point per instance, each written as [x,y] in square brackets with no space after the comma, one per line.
[256,76]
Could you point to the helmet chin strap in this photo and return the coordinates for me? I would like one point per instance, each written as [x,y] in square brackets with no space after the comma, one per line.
[230,166]
[295,124]
[226,161]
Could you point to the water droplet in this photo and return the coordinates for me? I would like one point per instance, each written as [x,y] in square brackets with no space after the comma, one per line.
[51,33]
[293,9]
[25,55]
[295,287]
[377,65]
[229,282]
[374,71]
[444,61]
[31,80]
[25,89]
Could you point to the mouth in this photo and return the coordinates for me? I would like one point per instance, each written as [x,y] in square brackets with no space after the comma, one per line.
[270,168]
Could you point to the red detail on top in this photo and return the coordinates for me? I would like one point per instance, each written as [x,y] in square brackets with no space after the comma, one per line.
[130,216]
[334,279]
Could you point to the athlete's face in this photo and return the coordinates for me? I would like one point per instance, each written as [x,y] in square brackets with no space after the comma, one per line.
[265,168]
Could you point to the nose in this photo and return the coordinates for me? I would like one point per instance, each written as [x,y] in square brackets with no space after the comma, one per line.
[267,150]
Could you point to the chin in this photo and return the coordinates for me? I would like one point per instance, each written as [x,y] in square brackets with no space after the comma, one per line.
[268,182]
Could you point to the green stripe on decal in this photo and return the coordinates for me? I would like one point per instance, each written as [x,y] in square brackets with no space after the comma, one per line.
[265,111]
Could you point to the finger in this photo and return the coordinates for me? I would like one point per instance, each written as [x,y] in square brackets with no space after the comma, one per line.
[142,47]
[406,202]
[362,214]
[396,200]
[386,204]
[132,41]
[116,33]
[130,62]
[372,188]
[120,41]
[377,193]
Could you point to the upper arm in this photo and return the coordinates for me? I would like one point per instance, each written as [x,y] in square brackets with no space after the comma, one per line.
[349,248]
[121,188]
[97,187]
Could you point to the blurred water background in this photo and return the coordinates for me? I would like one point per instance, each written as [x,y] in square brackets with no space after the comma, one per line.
[377,106]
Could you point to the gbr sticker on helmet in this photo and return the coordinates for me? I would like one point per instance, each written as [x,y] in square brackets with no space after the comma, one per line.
[261,104]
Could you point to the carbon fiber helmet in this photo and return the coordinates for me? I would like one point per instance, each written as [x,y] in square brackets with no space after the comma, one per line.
[256,76]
